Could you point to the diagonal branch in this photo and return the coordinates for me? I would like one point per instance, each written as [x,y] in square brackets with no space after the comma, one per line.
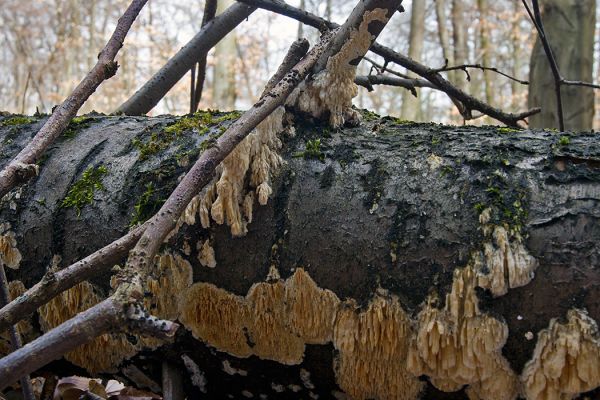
[19,169]
[54,283]
[158,86]
[469,102]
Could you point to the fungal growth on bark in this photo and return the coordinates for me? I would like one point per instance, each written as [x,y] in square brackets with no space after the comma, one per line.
[104,353]
[9,253]
[279,317]
[24,327]
[566,359]
[245,171]
[329,93]
[373,346]
[459,345]
[504,262]
[206,254]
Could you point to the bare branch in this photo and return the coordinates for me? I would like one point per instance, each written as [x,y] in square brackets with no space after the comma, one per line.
[537,20]
[469,102]
[104,69]
[465,67]
[197,84]
[411,83]
[54,283]
[155,89]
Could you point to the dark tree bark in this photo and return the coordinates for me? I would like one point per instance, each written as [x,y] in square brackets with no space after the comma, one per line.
[386,213]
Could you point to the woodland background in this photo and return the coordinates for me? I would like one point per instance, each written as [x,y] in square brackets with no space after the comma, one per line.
[47,46]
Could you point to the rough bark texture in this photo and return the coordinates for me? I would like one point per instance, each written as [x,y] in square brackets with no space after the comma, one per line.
[391,212]
[569,25]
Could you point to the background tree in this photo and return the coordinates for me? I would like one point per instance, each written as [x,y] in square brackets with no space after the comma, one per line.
[570,28]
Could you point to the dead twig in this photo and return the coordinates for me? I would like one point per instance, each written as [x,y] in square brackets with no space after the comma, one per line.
[104,69]
[197,84]
[465,69]
[15,337]
[467,101]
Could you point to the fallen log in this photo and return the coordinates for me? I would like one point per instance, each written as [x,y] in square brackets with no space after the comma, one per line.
[391,260]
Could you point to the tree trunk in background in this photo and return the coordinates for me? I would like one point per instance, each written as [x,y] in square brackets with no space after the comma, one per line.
[411,105]
[224,71]
[459,39]
[349,217]
[517,59]
[570,27]
[300,24]
[486,51]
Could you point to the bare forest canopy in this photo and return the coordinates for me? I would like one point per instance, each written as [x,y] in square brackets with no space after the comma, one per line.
[305,244]
[47,46]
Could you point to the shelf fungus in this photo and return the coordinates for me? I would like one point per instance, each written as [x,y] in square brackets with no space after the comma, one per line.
[330,92]
[458,345]
[504,262]
[566,359]
[9,253]
[246,171]
[373,346]
[102,354]
[273,321]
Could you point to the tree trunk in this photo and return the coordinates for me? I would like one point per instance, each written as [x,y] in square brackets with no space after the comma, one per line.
[569,25]
[411,105]
[378,244]
[224,85]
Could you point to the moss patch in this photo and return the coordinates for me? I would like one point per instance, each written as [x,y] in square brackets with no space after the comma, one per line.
[312,150]
[201,122]
[82,191]
[76,125]
[17,120]
[148,204]
[506,129]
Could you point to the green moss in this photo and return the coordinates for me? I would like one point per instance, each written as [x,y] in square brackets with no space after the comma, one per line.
[147,205]
[17,120]
[506,129]
[564,141]
[370,115]
[82,191]
[76,125]
[200,121]
[400,121]
[313,150]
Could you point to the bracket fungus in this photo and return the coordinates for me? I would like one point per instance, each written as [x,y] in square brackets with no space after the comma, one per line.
[330,91]
[566,359]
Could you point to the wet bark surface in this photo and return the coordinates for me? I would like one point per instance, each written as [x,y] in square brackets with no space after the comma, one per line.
[389,205]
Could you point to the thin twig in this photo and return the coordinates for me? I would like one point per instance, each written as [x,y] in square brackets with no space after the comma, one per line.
[197,86]
[368,81]
[464,68]
[467,101]
[104,69]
